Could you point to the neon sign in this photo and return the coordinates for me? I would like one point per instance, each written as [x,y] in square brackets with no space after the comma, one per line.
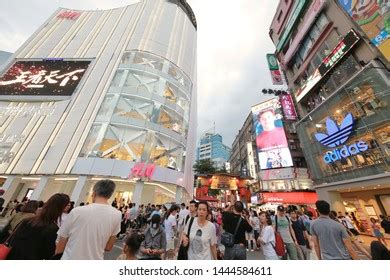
[338,135]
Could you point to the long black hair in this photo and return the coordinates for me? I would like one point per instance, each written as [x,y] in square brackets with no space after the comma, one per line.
[51,210]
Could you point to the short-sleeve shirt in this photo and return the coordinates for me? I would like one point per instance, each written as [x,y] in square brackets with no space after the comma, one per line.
[299,228]
[268,237]
[283,227]
[169,224]
[201,238]
[330,236]
[88,229]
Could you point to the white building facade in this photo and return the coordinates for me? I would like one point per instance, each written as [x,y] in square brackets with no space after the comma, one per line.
[131,116]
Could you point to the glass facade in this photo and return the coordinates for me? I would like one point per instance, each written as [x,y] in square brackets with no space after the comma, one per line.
[145,114]
[367,98]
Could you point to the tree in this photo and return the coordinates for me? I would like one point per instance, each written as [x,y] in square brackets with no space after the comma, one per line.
[204,166]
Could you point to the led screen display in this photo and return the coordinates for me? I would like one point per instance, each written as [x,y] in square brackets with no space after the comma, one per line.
[42,78]
[271,141]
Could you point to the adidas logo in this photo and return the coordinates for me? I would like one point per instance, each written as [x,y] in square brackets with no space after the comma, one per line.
[338,135]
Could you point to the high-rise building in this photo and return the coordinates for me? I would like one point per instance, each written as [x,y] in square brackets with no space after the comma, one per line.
[103,94]
[335,56]
[211,147]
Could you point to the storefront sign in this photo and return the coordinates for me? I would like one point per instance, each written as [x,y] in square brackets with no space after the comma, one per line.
[42,78]
[290,197]
[373,17]
[342,48]
[276,76]
[142,170]
[338,135]
[288,107]
[310,16]
[297,9]
[338,52]
[71,15]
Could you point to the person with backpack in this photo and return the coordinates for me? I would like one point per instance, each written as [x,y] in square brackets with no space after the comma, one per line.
[283,226]
[266,240]
[235,226]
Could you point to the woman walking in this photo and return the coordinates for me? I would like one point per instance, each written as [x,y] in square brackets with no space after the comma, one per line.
[34,238]
[376,228]
[202,239]
[267,237]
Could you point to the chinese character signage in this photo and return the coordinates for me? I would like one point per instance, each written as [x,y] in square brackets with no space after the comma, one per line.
[43,78]
[342,48]
[288,107]
[373,17]
[271,141]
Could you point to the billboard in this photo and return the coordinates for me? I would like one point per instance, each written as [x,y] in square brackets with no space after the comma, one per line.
[271,140]
[43,78]
[373,17]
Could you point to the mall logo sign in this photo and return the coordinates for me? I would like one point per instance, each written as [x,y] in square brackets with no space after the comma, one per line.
[337,136]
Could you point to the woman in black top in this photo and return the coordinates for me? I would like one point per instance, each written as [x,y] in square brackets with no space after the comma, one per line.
[34,238]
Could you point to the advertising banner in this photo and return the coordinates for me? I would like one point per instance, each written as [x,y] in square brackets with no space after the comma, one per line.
[272,62]
[288,107]
[271,141]
[373,17]
[43,78]
[276,76]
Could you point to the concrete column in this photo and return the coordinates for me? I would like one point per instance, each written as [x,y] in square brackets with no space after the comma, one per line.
[11,188]
[333,198]
[137,195]
[39,189]
[79,191]
[179,194]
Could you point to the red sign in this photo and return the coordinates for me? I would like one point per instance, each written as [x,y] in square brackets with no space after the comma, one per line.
[290,197]
[142,170]
[72,15]
[288,107]
[276,77]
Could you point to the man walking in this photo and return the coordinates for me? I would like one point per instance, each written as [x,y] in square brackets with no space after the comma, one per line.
[90,230]
[283,225]
[301,235]
[230,220]
[330,238]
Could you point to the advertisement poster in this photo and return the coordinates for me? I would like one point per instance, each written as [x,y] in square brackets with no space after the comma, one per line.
[373,17]
[271,141]
[43,78]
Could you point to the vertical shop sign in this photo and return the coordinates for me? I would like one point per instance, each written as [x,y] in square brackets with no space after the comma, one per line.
[288,107]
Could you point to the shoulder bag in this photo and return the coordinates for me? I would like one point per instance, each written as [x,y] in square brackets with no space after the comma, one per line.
[227,239]
[183,250]
[279,243]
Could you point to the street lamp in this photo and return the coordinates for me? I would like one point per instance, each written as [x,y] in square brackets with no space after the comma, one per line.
[274,91]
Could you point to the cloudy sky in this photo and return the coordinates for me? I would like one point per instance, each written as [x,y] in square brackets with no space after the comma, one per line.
[232,43]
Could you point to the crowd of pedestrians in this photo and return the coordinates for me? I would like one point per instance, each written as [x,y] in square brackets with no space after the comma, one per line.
[58,230]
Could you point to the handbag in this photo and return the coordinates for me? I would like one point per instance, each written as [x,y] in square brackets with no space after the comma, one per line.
[279,247]
[5,248]
[227,239]
[183,250]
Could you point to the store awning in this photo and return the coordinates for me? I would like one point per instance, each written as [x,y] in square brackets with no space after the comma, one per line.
[290,197]
[208,199]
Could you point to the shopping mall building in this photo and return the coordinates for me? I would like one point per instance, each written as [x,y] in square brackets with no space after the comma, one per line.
[339,76]
[102,94]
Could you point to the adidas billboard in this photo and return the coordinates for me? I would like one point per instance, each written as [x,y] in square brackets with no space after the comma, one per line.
[337,136]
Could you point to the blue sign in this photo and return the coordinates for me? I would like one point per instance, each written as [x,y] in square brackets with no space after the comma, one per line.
[380,38]
[338,135]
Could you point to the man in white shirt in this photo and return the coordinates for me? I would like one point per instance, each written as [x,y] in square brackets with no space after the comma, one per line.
[170,229]
[90,230]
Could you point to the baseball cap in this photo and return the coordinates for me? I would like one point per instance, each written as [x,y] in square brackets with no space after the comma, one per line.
[281,208]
